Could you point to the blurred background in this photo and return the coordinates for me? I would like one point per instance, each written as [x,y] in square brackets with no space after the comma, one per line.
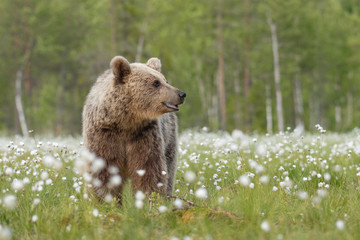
[253,65]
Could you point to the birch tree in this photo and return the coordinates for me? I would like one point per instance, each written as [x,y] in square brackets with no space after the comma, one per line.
[275,48]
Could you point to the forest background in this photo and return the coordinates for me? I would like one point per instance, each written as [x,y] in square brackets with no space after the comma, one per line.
[253,65]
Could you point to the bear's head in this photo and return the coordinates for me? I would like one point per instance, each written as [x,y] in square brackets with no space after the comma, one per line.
[149,92]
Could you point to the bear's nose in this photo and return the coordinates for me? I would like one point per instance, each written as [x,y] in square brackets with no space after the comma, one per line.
[182,95]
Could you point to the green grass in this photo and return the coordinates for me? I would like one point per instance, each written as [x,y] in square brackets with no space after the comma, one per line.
[231,211]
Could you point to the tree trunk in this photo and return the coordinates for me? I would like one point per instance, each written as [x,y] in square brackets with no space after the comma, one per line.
[60,111]
[247,80]
[337,117]
[279,105]
[61,101]
[299,107]
[139,48]
[237,113]
[18,103]
[349,118]
[269,118]
[220,78]
[202,92]
[113,25]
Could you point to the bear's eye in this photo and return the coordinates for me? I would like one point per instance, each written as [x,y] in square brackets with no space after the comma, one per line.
[156,83]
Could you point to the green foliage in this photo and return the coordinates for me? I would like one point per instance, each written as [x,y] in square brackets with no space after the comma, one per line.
[62,46]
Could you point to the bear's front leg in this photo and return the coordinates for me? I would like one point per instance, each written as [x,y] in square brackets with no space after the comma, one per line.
[146,163]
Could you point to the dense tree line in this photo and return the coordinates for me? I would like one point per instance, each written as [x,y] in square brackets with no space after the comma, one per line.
[252,65]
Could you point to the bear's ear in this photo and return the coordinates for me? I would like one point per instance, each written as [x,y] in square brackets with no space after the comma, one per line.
[154,63]
[120,68]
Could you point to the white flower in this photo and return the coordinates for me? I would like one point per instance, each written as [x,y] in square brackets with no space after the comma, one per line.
[17,185]
[139,195]
[163,173]
[44,175]
[113,170]
[327,177]
[114,181]
[274,189]
[36,201]
[87,156]
[322,192]
[8,171]
[10,202]
[68,228]
[265,226]
[49,181]
[340,224]
[108,198]
[97,182]
[162,209]
[97,165]
[264,179]
[139,204]
[302,195]
[95,212]
[34,218]
[201,193]
[50,161]
[178,203]
[140,172]
[5,232]
[244,180]
[26,180]
[190,176]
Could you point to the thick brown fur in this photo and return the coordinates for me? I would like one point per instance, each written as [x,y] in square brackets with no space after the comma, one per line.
[128,121]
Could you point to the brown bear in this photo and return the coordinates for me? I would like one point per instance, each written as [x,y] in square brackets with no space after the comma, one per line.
[129,122]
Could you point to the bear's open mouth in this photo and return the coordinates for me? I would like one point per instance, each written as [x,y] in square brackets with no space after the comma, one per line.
[173,107]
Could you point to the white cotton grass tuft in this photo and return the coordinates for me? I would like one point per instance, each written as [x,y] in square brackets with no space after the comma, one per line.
[265,226]
[139,195]
[264,179]
[113,170]
[244,180]
[36,201]
[17,184]
[44,175]
[82,163]
[10,202]
[201,193]
[108,198]
[139,204]
[114,181]
[340,224]
[34,218]
[8,171]
[327,177]
[178,203]
[141,172]
[97,165]
[95,212]
[190,176]
[162,209]
[5,232]
[302,195]
[51,162]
